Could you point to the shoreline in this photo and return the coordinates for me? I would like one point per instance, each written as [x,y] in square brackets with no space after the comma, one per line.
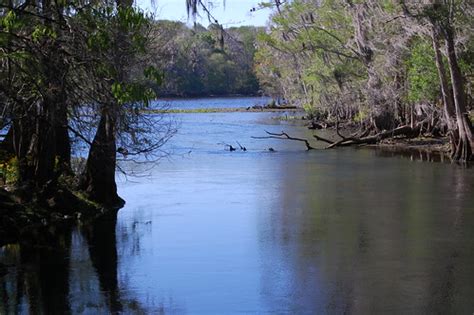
[262,109]
[34,219]
[408,147]
[397,145]
[420,149]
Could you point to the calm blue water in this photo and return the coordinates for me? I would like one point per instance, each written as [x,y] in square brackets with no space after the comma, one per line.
[209,231]
[212,102]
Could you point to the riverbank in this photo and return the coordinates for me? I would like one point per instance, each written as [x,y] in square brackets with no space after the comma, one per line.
[439,147]
[430,145]
[253,109]
[27,216]
[394,143]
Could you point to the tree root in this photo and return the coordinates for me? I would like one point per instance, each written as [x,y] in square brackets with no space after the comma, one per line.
[406,131]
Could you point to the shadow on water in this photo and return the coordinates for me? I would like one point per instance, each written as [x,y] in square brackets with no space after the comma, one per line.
[387,245]
[413,154]
[53,274]
[101,240]
[37,275]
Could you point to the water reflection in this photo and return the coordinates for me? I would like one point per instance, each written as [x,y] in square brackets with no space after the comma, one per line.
[69,271]
[37,275]
[414,154]
[101,241]
[392,240]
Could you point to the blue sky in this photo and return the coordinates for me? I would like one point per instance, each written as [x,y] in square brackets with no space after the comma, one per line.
[235,12]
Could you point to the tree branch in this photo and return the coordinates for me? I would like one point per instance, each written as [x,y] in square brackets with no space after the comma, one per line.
[285,136]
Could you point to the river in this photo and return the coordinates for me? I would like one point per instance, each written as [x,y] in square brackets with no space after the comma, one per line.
[209,231]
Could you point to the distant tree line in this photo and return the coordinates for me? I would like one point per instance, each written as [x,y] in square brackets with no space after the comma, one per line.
[199,61]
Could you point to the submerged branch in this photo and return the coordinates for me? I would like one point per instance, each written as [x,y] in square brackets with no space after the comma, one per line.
[285,136]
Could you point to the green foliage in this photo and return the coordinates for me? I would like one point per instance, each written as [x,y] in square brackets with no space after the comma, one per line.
[194,63]
[42,32]
[132,93]
[10,21]
[152,74]
[130,19]
[361,116]
[9,170]
[99,40]
[304,58]
[422,75]
[360,59]
[466,62]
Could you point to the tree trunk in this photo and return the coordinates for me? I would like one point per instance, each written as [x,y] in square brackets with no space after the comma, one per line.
[22,129]
[381,117]
[98,179]
[465,146]
[42,153]
[40,138]
[447,97]
[399,105]
[49,153]
[63,144]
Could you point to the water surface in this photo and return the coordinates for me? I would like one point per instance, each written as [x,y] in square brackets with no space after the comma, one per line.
[212,102]
[211,231]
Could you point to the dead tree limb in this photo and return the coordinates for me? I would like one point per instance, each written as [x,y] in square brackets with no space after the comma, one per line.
[285,136]
[322,139]
[343,138]
[338,131]
[406,130]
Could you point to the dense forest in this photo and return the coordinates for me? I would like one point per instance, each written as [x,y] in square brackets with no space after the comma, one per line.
[199,62]
[397,68]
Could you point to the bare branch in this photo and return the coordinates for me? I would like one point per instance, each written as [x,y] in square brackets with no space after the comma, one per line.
[285,136]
